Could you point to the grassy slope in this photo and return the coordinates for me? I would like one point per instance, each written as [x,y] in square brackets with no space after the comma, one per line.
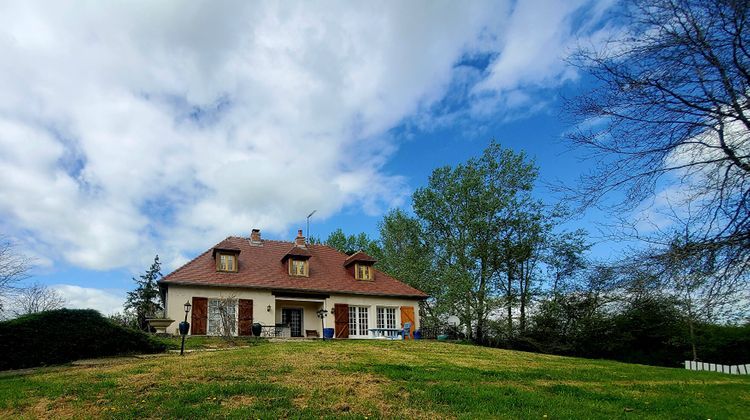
[369,379]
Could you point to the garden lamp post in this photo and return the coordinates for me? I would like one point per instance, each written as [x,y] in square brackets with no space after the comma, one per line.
[322,313]
[184,328]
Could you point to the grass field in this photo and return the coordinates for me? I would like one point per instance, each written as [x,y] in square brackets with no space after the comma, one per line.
[364,379]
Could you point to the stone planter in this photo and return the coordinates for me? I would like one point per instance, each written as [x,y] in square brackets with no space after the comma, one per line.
[160,324]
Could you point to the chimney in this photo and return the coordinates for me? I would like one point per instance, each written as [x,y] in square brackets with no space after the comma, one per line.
[299,240]
[255,236]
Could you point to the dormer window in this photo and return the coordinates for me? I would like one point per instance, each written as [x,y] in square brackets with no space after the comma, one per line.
[298,267]
[226,259]
[226,262]
[360,265]
[297,258]
[363,272]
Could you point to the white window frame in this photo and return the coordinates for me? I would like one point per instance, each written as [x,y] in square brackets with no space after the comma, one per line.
[216,328]
[386,317]
[359,321]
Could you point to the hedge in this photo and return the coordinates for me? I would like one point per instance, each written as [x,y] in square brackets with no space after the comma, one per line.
[64,335]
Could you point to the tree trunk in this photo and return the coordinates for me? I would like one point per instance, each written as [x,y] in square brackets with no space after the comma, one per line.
[469,318]
[691,325]
[509,303]
[522,286]
[480,304]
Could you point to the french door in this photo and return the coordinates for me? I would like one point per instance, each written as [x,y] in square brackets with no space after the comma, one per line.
[293,318]
[358,321]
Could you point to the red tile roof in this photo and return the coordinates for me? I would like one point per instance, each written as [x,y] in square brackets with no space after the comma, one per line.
[260,267]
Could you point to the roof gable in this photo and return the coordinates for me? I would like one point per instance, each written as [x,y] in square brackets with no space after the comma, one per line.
[297,252]
[359,256]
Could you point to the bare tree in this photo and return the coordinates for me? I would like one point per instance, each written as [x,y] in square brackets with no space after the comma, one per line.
[37,298]
[671,111]
[14,267]
[226,308]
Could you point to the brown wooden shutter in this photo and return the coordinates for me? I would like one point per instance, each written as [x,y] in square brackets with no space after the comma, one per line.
[199,319]
[407,315]
[341,315]
[245,317]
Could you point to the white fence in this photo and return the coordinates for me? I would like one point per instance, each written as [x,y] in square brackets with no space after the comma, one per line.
[713,367]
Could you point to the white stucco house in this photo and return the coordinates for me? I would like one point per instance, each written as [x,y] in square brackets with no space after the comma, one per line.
[282,286]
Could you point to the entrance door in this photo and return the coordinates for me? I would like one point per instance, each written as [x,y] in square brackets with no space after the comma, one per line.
[293,318]
[407,315]
[341,316]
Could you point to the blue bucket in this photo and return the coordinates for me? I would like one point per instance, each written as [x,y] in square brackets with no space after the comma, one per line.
[417,335]
[327,332]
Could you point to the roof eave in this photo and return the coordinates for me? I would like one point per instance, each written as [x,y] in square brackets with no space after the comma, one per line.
[246,286]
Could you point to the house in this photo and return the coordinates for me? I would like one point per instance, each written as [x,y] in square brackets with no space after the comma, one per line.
[282,286]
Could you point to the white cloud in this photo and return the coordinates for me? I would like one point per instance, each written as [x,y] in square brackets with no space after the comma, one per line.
[539,36]
[691,190]
[135,128]
[77,297]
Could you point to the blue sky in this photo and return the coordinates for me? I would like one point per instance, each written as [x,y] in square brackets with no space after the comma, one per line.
[133,129]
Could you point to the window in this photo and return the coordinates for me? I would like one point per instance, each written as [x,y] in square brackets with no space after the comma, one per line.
[222,316]
[226,262]
[363,272]
[298,267]
[358,321]
[386,317]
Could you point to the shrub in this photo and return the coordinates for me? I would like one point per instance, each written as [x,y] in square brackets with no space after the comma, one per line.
[65,335]
[723,344]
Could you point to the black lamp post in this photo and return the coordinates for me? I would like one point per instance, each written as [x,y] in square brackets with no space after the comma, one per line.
[184,328]
[322,313]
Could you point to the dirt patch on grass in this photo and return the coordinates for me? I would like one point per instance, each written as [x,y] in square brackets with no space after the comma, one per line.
[103,361]
[46,408]
[238,401]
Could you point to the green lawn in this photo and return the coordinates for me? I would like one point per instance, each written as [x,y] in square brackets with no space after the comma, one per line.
[371,379]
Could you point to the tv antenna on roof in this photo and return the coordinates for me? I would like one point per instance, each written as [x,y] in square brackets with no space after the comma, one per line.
[308,223]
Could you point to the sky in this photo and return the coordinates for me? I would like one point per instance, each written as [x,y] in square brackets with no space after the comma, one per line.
[130,129]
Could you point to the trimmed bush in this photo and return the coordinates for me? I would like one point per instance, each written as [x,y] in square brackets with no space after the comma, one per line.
[64,335]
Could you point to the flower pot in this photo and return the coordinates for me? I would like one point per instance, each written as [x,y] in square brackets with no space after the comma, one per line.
[160,324]
[257,328]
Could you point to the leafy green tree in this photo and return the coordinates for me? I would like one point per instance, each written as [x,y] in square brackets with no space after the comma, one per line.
[468,214]
[407,255]
[353,243]
[565,258]
[145,301]
[649,330]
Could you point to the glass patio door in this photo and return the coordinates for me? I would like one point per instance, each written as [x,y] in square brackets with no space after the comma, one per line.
[293,318]
[358,321]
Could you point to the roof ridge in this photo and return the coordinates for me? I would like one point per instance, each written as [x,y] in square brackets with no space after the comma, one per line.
[331,248]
